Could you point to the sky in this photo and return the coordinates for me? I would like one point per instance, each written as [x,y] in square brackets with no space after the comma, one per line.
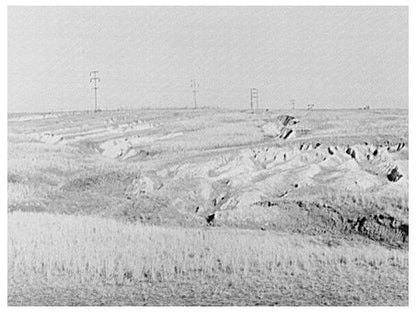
[332,57]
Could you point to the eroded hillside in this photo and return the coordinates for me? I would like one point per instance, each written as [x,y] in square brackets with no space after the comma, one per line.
[343,173]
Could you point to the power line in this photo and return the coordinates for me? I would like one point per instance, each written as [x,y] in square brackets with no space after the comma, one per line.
[194,86]
[95,79]
[254,96]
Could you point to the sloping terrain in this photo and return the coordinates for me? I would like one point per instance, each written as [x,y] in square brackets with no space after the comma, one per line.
[339,176]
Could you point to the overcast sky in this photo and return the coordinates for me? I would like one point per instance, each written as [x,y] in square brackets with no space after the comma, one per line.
[333,57]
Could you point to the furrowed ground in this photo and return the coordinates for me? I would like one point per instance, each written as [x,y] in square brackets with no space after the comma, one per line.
[208,207]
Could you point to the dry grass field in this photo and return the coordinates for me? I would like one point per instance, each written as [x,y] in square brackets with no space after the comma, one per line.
[208,207]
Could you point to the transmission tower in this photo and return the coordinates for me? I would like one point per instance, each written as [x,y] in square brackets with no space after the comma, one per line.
[95,79]
[254,97]
[194,87]
[292,103]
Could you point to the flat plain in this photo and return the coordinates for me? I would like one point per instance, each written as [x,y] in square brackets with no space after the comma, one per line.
[208,207]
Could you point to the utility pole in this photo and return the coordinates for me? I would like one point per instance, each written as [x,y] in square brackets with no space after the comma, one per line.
[254,96]
[194,86]
[95,79]
[292,103]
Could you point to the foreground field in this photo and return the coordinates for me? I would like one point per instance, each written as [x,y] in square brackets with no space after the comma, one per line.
[208,207]
[115,263]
